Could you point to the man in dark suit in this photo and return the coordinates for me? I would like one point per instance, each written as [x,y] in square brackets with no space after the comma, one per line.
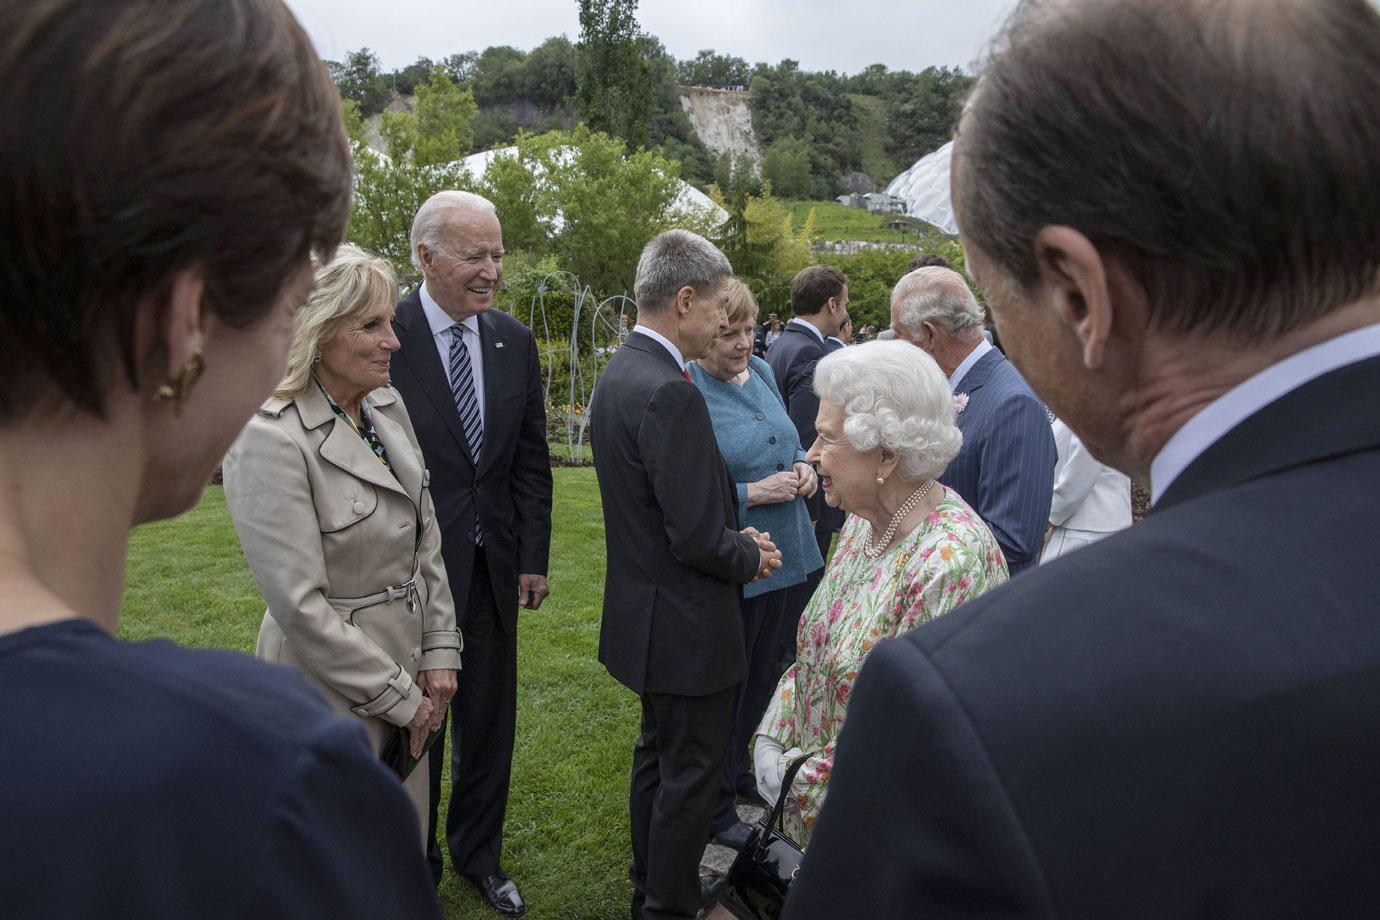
[1005,470]
[1182,720]
[819,299]
[472,385]
[672,628]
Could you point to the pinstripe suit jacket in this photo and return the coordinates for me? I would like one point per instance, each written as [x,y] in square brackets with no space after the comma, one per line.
[1005,470]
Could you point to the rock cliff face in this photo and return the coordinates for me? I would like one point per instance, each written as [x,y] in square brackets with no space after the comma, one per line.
[722,120]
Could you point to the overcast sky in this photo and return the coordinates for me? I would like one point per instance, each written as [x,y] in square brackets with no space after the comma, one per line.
[842,35]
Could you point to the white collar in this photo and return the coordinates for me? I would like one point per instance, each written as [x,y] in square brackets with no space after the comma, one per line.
[1253,394]
[983,347]
[665,343]
[805,324]
[439,320]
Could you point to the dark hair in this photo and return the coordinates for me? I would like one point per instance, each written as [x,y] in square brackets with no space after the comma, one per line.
[140,139]
[929,260]
[812,287]
[1227,154]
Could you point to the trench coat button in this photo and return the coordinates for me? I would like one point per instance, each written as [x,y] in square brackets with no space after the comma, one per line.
[771,440]
[358,506]
[760,416]
[417,653]
[780,467]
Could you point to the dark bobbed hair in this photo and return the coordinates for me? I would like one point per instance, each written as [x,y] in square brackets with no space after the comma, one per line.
[812,287]
[1226,153]
[139,139]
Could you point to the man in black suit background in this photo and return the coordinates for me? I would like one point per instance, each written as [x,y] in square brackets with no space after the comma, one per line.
[472,385]
[672,627]
[819,299]
[1171,207]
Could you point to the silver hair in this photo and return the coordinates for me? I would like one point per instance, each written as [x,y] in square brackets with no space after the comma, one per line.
[936,295]
[429,226]
[673,260]
[895,397]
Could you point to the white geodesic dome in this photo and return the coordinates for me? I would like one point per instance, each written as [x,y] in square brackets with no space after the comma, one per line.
[925,189]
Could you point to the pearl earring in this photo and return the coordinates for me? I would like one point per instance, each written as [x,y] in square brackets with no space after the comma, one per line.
[881,480]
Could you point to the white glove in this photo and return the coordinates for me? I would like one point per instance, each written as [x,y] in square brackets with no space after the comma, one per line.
[769,764]
[768,767]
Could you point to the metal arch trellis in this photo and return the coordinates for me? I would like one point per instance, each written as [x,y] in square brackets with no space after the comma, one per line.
[585,357]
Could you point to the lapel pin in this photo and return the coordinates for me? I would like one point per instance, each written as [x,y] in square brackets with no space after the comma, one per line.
[498,344]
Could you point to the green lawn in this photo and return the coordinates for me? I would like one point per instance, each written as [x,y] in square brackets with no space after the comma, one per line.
[567,828]
[834,221]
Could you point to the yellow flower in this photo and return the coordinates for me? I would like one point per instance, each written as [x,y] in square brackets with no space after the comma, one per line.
[946,553]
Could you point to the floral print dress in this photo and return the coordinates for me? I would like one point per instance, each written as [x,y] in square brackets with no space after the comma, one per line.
[948,559]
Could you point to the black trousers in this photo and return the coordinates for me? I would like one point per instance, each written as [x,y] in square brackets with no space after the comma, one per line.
[483,725]
[763,628]
[677,763]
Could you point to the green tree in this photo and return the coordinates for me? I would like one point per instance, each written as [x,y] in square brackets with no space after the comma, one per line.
[787,166]
[614,92]
[582,197]
[712,69]
[437,130]
[358,78]
[389,188]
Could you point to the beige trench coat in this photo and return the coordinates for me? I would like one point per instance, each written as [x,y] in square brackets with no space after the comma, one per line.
[328,531]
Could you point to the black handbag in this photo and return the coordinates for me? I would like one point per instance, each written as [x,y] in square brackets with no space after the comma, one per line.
[397,751]
[762,873]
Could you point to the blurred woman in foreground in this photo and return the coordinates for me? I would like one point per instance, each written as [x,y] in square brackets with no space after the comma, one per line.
[167,167]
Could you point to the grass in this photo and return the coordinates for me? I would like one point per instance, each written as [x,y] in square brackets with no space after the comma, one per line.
[566,836]
[834,221]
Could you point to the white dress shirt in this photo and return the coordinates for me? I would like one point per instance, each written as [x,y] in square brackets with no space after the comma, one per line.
[809,327]
[1253,394]
[974,356]
[443,328]
[665,343]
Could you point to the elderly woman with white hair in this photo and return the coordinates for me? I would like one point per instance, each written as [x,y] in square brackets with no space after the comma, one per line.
[910,551]
[329,494]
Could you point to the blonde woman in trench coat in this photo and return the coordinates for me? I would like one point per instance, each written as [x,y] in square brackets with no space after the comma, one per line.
[328,492]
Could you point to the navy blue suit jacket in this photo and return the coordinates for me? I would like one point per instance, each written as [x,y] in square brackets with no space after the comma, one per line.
[793,357]
[1005,469]
[1180,721]
[139,779]
[508,488]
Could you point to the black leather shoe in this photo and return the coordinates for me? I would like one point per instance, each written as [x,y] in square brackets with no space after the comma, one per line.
[711,886]
[734,837]
[502,894]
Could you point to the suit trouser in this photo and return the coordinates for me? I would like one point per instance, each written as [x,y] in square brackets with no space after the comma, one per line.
[763,625]
[677,763]
[483,725]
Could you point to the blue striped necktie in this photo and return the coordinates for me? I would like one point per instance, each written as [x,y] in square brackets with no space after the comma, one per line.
[467,401]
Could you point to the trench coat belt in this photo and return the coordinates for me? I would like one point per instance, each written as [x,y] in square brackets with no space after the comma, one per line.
[407,589]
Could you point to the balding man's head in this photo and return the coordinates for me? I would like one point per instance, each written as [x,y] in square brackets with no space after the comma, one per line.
[1224,153]
[939,296]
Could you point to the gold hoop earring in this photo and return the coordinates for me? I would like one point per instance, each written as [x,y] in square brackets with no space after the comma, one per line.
[178,392]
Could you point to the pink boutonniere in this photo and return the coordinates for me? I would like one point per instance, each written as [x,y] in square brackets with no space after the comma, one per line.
[960,403]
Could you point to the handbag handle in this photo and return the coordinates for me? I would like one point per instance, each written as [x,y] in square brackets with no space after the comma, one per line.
[778,812]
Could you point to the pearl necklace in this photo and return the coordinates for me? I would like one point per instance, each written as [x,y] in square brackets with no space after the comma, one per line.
[906,507]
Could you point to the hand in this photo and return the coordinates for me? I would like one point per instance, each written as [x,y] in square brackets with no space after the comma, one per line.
[439,685]
[776,488]
[807,479]
[532,590]
[769,557]
[420,726]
